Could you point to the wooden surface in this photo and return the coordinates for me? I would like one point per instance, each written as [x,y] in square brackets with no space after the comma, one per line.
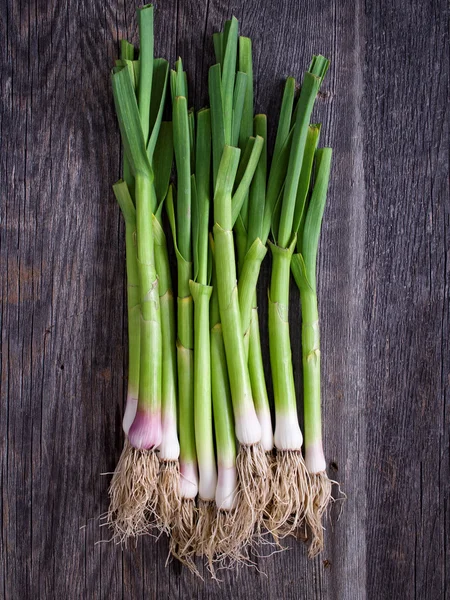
[384,276]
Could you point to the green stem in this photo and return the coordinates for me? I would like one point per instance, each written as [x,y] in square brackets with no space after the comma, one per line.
[304,270]
[169,448]
[280,345]
[248,430]
[221,393]
[311,368]
[287,431]
[258,381]
[146,429]
[222,408]
[248,279]
[185,365]
[185,356]
[150,380]
[133,301]
[202,392]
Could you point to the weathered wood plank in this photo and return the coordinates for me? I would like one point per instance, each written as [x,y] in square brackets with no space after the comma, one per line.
[406,165]
[383,294]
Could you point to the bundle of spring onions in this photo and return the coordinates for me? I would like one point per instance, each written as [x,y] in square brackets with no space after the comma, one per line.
[201,460]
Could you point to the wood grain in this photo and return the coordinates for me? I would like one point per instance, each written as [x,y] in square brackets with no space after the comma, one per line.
[384,294]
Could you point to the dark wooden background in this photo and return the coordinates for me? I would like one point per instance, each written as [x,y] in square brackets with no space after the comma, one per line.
[384,277]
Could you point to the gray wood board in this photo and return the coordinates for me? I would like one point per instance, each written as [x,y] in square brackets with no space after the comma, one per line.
[383,285]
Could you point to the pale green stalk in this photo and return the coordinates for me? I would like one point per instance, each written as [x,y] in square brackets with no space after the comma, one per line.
[133,301]
[304,270]
[146,429]
[248,430]
[201,293]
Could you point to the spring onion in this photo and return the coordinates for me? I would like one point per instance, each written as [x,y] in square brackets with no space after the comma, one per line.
[201,462]
[304,270]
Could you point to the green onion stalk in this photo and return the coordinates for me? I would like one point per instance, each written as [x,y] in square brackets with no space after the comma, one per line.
[252,463]
[304,271]
[291,484]
[253,228]
[233,526]
[117,513]
[251,250]
[182,543]
[227,95]
[139,114]
[201,294]
[169,448]
[123,191]
[119,500]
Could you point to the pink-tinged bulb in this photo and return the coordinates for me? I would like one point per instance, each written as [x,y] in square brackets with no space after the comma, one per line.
[145,432]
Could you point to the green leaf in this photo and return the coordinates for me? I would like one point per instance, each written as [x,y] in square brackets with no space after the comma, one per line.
[217,117]
[203,181]
[181,139]
[284,121]
[312,139]
[173,84]
[145,20]
[246,66]
[130,123]
[299,272]
[191,121]
[306,101]
[125,201]
[245,157]
[126,50]
[170,210]
[136,71]
[276,213]
[224,187]
[158,99]
[244,185]
[163,160]
[195,225]
[218,47]
[228,74]
[313,221]
[238,106]
[257,195]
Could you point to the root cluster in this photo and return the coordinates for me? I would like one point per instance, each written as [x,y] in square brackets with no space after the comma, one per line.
[169,499]
[276,496]
[290,494]
[320,499]
[133,493]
